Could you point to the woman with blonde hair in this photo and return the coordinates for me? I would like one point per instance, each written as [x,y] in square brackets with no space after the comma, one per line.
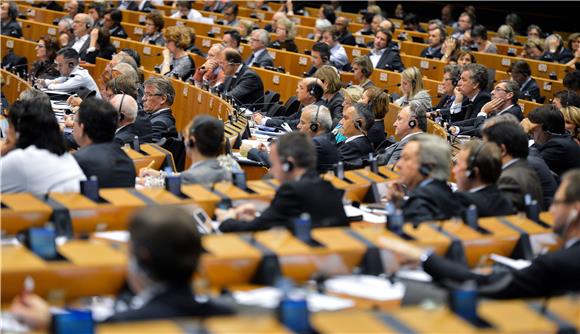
[412,89]
[332,97]
[176,61]
[285,34]
[572,119]
[378,103]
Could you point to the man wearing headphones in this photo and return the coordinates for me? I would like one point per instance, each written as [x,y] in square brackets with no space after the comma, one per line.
[338,57]
[163,254]
[112,20]
[316,122]
[72,76]
[356,122]
[470,94]
[385,53]
[424,169]
[241,83]
[554,273]
[557,148]
[411,120]
[320,56]
[127,109]
[301,190]
[521,73]
[436,38]
[9,14]
[308,92]
[94,129]
[504,101]
[477,169]
[82,25]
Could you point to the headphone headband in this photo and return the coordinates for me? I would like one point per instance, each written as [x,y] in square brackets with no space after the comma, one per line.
[472,158]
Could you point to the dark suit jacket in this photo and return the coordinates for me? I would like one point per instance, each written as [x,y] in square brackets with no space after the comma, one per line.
[134,6]
[430,202]
[516,181]
[426,53]
[469,109]
[162,125]
[106,53]
[287,45]
[530,91]
[445,102]
[560,153]
[358,148]
[109,163]
[472,126]
[390,60]
[126,135]
[118,31]
[391,154]
[83,50]
[546,176]
[11,28]
[172,303]
[309,194]
[377,133]
[245,86]
[489,201]
[263,60]
[347,39]
[335,107]
[326,152]
[549,274]
[292,120]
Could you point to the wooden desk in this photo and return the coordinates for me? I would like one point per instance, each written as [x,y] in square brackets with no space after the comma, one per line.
[13,85]
[21,211]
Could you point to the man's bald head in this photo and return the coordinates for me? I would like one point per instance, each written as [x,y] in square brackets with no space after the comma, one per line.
[128,107]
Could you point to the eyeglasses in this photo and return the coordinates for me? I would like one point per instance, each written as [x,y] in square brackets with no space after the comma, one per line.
[499,89]
[151,94]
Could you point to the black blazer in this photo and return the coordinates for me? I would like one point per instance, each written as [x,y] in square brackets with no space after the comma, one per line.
[546,176]
[472,126]
[334,105]
[469,109]
[430,202]
[445,102]
[309,194]
[172,303]
[561,153]
[347,39]
[489,201]
[530,91]
[84,48]
[12,29]
[126,134]
[517,180]
[246,86]
[109,163]
[390,60]
[263,60]
[354,150]
[106,53]
[118,31]
[326,152]
[377,133]
[147,7]
[437,54]
[549,274]
[162,125]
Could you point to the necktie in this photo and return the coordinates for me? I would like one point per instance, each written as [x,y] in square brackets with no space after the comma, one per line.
[250,60]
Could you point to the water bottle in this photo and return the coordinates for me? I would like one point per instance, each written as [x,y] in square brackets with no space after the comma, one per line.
[463,301]
[90,188]
[302,228]
[293,308]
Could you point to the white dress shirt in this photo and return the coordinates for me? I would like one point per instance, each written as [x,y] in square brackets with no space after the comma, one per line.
[79,77]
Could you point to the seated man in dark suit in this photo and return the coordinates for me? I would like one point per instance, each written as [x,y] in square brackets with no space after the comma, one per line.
[158,97]
[164,251]
[522,74]
[356,122]
[259,40]
[94,130]
[436,38]
[558,148]
[127,109]
[451,76]
[424,168]
[316,122]
[505,99]
[319,56]
[411,120]
[302,190]
[470,95]
[550,274]
[344,36]
[477,168]
[385,53]
[517,178]
[241,83]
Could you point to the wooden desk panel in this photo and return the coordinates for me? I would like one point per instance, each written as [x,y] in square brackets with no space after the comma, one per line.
[349,322]
[503,315]
[439,320]
[22,211]
[245,324]
[154,327]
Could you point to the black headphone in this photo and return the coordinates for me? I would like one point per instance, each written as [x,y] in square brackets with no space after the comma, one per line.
[287,165]
[425,170]
[71,64]
[358,125]
[12,11]
[471,162]
[314,124]
[412,123]
[121,115]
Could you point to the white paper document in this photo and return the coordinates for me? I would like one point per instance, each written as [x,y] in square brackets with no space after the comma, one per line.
[368,287]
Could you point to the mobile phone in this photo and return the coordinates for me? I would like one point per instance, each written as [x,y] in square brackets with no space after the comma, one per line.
[203,221]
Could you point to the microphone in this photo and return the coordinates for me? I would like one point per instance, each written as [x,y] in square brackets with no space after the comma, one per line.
[386,90]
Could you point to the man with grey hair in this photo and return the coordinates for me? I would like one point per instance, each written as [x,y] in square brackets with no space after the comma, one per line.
[423,169]
[127,109]
[259,39]
[470,95]
[82,24]
[158,97]
[504,101]
[316,122]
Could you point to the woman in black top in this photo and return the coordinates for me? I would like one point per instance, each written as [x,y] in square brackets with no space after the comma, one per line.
[100,46]
[44,66]
[285,32]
